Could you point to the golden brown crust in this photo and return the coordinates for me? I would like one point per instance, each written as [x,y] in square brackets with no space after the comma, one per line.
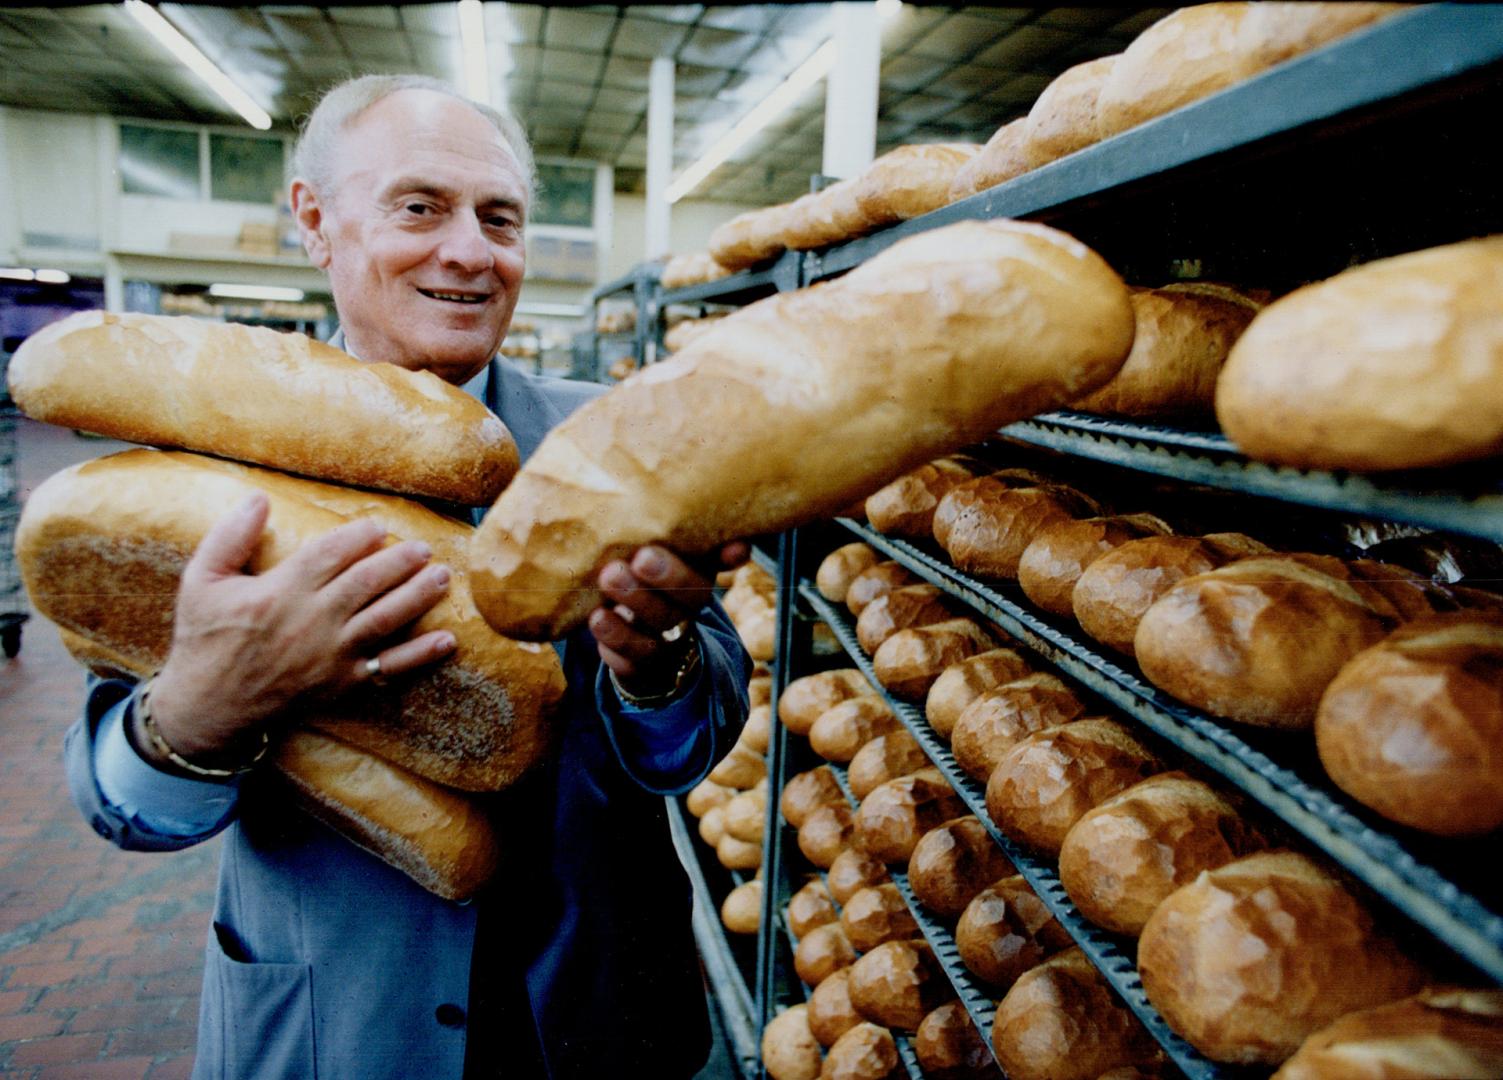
[910,606]
[1053,561]
[990,540]
[852,871]
[164,381]
[865,1052]
[961,683]
[741,768]
[745,815]
[840,568]
[749,238]
[885,758]
[821,952]
[1249,959]
[964,499]
[807,791]
[876,914]
[826,832]
[831,1013]
[1005,930]
[789,1049]
[949,1047]
[898,983]
[809,907]
[1003,716]
[908,662]
[737,854]
[877,580]
[952,863]
[845,728]
[910,181]
[691,268]
[905,507]
[741,911]
[895,815]
[1063,119]
[805,699]
[1005,155]
[705,795]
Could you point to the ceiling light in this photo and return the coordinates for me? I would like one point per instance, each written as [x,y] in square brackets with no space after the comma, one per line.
[16,273]
[54,277]
[173,40]
[477,79]
[255,292]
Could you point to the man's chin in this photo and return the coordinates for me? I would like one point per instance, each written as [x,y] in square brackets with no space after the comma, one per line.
[454,357]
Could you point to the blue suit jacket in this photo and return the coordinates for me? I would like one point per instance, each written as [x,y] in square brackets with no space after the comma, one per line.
[325,962]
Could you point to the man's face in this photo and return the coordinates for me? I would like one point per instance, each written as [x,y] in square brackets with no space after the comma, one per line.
[422,238]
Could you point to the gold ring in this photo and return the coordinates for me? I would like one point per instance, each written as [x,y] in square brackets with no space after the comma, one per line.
[373,671]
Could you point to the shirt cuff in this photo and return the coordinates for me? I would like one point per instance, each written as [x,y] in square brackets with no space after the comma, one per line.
[658,745]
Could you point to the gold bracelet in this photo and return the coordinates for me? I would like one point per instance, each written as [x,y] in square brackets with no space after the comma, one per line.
[164,748]
[688,667]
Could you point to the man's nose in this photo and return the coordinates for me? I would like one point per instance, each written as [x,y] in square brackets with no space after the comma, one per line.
[464,245]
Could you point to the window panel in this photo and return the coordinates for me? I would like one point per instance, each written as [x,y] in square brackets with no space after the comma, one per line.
[159,161]
[244,168]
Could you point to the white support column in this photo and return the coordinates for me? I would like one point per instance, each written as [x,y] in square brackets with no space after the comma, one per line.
[851,96]
[659,155]
[10,212]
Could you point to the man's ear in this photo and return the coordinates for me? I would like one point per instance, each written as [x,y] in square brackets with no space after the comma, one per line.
[311,223]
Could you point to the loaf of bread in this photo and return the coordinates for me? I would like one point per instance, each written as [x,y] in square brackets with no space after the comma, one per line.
[745,815]
[1196,51]
[1413,727]
[877,581]
[843,729]
[898,983]
[949,1047]
[102,546]
[1326,377]
[1046,783]
[741,911]
[1061,1021]
[678,336]
[968,498]
[831,1013]
[910,606]
[299,405]
[712,825]
[1063,119]
[789,1050]
[885,758]
[691,268]
[807,791]
[437,837]
[1441,1032]
[1259,641]
[809,907]
[910,181]
[1007,154]
[1132,850]
[908,662]
[1005,930]
[852,871]
[1051,565]
[1116,589]
[905,507]
[1183,337]
[989,541]
[840,567]
[1006,715]
[894,816]
[865,1052]
[952,863]
[826,217]
[827,831]
[799,404]
[749,238]
[821,952]
[741,768]
[1249,959]
[737,854]
[757,734]
[705,795]
[962,683]
[876,914]
[805,699]
[759,688]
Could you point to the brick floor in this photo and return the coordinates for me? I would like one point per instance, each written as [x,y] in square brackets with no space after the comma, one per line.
[100,949]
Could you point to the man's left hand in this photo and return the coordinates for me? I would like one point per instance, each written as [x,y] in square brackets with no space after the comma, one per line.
[650,593]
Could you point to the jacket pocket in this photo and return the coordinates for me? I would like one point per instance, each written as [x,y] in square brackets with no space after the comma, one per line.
[256,1020]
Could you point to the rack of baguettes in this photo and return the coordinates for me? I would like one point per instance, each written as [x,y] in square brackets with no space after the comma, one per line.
[1348,155]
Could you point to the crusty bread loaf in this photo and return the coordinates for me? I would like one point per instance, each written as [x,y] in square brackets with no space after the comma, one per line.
[905,507]
[865,1052]
[1061,1021]
[952,863]
[826,832]
[1006,154]
[908,662]
[840,568]
[759,689]
[789,1050]
[741,768]
[824,217]
[746,814]
[1048,781]
[910,181]
[1052,563]
[949,1047]
[805,699]
[885,758]
[803,793]
[712,825]
[898,983]
[168,381]
[1441,1032]
[821,952]
[1005,715]
[102,546]
[691,268]
[1330,376]
[737,854]
[1249,959]
[809,907]
[749,238]
[1063,119]
[845,728]
[1413,727]
[437,837]
[1196,51]
[831,1013]
[1005,930]
[705,795]
[894,816]
[876,914]
[990,540]
[1116,589]
[799,404]
[741,911]
[912,605]
[1259,641]
[961,683]
[1182,340]
[876,580]
[679,335]
[1129,852]
[757,734]
[852,871]
[967,498]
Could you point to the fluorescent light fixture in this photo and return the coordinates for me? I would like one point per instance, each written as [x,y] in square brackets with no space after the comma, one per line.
[16,273]
[477,77]
[541,307]
[179,46]
[255,292]
[54,277]
[886,9]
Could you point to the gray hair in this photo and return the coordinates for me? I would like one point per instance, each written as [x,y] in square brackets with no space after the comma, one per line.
[313,156]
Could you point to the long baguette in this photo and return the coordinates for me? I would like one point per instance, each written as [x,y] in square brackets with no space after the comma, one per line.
[102,547]
[800,404]
[249,393]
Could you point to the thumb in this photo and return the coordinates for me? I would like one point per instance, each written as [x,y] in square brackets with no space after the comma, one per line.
[229,545]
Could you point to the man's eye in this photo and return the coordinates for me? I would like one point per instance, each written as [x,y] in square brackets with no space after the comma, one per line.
[416,208]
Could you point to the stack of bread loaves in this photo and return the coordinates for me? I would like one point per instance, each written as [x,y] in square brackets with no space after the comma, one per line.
[102,546]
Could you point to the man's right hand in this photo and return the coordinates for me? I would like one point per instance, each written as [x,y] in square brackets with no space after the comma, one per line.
[245,645]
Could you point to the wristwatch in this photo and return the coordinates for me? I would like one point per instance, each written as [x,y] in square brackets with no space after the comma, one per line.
[683,672]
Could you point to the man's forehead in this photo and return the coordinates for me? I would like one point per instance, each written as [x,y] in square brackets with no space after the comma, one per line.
[425,132]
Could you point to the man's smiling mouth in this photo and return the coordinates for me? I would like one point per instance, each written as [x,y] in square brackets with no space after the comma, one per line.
[455,297]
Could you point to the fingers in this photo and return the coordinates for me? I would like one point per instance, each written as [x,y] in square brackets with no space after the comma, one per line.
[377,574]
[402,605]
[407,657]
[652,611]
[658,586]
[623,641]
[320,561]
[229,545]
[734,554]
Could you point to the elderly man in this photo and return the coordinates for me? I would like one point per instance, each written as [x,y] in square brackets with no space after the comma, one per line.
[323,961]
